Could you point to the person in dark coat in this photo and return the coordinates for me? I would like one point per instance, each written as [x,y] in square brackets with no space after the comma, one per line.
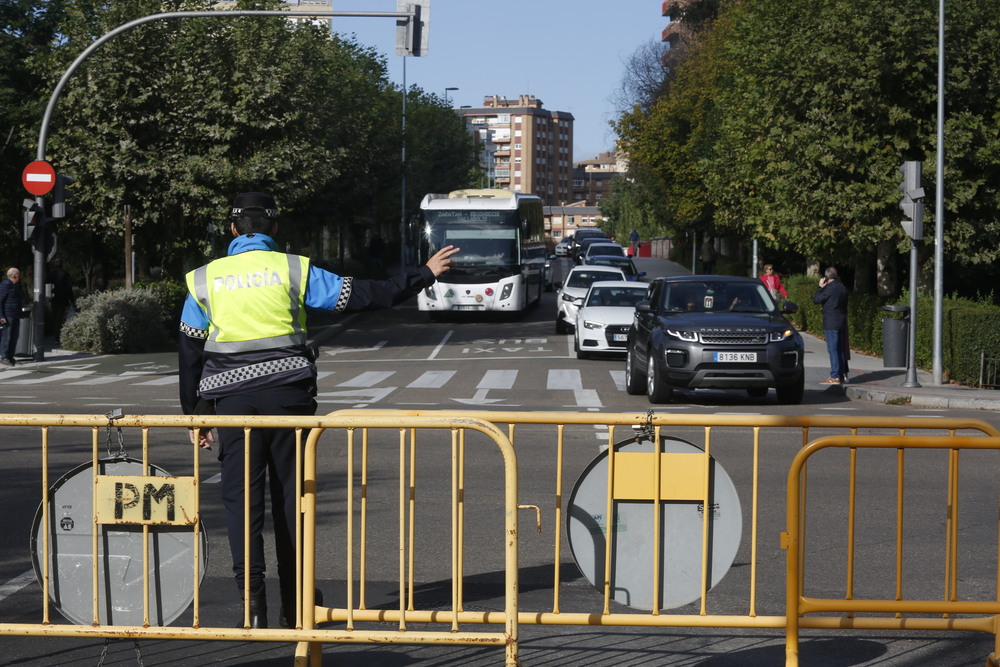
[10,315]
[832,295]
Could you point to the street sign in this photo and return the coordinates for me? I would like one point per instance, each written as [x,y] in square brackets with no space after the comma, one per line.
[39,178]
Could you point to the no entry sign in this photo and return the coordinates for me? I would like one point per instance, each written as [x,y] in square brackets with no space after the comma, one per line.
[39,178]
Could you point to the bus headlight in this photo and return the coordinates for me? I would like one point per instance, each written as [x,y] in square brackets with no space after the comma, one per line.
[507,289]
[429,293]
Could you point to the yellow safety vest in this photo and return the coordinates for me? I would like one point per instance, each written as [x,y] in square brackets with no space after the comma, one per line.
[254,300]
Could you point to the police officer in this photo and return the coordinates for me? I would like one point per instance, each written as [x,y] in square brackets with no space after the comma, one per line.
[243,351]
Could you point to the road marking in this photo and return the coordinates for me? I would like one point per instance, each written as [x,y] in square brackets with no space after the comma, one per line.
[68,375]
[498,379]
[106,379]
[170,379]
[367,379]
[618,377]
[363,395]
[16,584]
[375,348]
[8,374]
[564,379]
[432,380]
[440,346]
[587,398]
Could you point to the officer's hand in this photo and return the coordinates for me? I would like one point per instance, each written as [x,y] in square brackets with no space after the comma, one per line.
[205,437]
[441,261]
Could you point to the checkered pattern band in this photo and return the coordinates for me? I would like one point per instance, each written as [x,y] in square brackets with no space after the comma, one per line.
[192,332]
[251,372]
[345,295]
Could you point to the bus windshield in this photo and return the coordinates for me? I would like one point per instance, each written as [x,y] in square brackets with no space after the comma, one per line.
[488,239]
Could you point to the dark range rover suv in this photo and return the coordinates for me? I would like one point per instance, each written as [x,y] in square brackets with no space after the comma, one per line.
[713,331]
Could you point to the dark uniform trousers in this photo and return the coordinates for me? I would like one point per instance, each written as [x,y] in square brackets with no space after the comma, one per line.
[272,457]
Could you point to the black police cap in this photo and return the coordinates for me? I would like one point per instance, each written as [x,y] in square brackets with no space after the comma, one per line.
[254,203]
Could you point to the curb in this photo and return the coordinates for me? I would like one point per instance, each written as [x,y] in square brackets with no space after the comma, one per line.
[902,397]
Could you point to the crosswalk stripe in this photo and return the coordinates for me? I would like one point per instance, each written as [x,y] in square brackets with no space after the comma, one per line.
[169,379]
[497,380]
[104,379]
[367,379]
[564,379]
[432,380]
[67,375]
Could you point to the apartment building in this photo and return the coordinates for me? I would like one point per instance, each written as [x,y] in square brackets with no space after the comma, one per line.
[592,178]
[523,146]
[563,221]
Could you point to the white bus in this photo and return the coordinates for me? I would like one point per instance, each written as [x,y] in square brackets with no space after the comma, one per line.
[499,268]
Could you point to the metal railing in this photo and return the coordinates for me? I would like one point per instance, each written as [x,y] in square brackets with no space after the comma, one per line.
[755,448]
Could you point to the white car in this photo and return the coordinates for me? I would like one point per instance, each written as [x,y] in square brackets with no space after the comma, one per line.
[574,288]
[607,312]
[564,246]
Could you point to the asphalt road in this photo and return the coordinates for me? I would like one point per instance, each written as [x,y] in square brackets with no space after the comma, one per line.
[401,360]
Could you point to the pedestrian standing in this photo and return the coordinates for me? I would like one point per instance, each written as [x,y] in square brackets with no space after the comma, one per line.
[10,315]
[832,294]
[243,352]
[707,256]
[633,241]
[772,281]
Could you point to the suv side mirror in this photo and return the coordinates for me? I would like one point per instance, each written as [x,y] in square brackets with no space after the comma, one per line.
[643,306]
[789,307]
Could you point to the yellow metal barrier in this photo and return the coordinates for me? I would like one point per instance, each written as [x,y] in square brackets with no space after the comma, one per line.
[414,435]
[903,607]
[109,503]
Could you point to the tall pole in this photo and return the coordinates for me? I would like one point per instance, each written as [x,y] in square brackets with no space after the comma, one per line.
[938,374]
[402,195]
[446,94]
[911,356]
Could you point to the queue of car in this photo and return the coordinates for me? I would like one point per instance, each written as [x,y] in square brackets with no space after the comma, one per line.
[683,332]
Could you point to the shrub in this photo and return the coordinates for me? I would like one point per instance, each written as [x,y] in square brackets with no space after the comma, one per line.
[124,321]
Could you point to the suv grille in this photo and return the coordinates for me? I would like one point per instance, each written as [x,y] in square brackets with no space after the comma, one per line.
[724,338]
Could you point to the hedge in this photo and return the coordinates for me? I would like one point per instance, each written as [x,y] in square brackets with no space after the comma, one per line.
[969,328]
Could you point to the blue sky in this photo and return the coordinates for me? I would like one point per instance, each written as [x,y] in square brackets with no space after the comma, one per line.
[570,55]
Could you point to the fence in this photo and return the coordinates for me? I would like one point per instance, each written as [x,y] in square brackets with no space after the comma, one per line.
[756,450]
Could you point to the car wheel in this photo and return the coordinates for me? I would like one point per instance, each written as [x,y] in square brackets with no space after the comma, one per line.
[634,384]
[561,325]
[580,354]
[656,390]
[791,394]
[756,392]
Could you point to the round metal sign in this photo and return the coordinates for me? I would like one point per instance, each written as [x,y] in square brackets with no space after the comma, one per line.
[119,552]
[38,178]
[632,534]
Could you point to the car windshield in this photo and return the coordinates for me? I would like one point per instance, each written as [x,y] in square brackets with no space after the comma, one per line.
[587,278]
[624,297]
[715,297]
[605,249]
[623,263]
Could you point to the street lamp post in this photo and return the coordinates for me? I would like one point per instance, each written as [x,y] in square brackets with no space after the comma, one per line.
[446,94]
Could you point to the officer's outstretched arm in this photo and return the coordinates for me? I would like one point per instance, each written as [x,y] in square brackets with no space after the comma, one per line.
[441,260]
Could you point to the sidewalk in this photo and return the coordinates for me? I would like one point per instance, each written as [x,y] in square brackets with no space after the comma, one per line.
[871,381]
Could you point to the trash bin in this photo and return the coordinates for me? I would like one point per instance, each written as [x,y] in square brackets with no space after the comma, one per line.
[24,335]
[895,336]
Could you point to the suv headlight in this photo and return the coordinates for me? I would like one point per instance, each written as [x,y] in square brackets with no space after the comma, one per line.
[778,336]
[689,336]
[591,324]
[570,298]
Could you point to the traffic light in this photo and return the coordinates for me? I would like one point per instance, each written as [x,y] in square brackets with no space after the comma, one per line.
[61,208]
[33,215]
[411,32]
[912,203]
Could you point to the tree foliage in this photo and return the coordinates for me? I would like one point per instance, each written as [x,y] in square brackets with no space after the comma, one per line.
[166,121]
[788,122]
